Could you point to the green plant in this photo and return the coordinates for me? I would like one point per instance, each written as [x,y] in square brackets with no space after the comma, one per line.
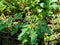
[30,17]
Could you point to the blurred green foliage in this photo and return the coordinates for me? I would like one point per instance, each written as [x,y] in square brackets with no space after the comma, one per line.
[31,18]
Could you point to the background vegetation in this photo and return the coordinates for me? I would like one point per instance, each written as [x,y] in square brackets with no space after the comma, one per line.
[29,22]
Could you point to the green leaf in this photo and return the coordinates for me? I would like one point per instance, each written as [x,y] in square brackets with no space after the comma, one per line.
[24,40]
[20,36]
[48,38]
[17,16]
[2,6]
[22,1]
[54,5]
[43,28]
[27,8]
[42,5]
[30,1]
[2,26]
[53,0]
[40,35]
[14,30]
[9,21]
[33,37]
[1,21]
[25,25]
